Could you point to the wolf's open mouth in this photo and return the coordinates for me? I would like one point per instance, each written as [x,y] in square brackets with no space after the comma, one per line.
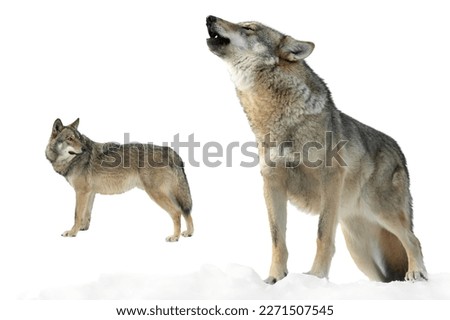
[216,39]
[216,42]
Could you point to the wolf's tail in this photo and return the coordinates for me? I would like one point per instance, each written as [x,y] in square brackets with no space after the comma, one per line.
[183,194]
[377,252]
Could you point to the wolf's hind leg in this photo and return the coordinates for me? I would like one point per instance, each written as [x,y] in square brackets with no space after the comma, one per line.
[400,226]
[190,225]
[169,204]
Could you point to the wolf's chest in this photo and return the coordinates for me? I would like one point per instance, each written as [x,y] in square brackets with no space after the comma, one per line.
[262,112]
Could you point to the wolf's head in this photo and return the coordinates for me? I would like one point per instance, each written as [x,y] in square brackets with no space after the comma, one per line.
[236,43]
[65,142]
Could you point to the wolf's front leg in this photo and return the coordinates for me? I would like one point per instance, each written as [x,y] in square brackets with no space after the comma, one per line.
[325,243]
[328,221]
[87,217]
[83,204]
[276,201]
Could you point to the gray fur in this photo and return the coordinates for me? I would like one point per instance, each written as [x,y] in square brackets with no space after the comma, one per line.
[365,188]
[110,168]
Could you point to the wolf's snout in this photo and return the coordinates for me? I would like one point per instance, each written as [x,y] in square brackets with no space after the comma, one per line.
[210,20]
[217,41]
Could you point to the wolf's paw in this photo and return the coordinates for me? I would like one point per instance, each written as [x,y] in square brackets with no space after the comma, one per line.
[273,280]
[172,238]
[320,275]
[69,233]
[84,228]
[416,276]
[186,233]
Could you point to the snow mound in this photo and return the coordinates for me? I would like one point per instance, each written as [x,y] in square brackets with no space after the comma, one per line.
[240,282]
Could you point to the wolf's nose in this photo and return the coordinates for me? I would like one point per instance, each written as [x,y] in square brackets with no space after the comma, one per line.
[210,20]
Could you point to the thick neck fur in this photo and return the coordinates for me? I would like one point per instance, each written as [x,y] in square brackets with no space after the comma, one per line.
[63,164]
[271,93]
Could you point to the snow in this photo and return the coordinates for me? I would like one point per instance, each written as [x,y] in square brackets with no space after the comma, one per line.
[236,282]
[143,68]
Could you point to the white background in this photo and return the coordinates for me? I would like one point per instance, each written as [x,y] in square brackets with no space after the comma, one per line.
[143,67]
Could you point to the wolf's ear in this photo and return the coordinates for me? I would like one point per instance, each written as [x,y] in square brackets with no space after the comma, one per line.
[75,124]
[57,126]
[295,50]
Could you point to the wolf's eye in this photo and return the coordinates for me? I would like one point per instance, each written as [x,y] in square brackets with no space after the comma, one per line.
[70,138]
[248,28]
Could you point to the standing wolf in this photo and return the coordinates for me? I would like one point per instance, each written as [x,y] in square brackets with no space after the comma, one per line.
[110,168]
[364,186]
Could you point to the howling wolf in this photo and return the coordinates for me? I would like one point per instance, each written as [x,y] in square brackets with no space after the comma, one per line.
[317,157]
